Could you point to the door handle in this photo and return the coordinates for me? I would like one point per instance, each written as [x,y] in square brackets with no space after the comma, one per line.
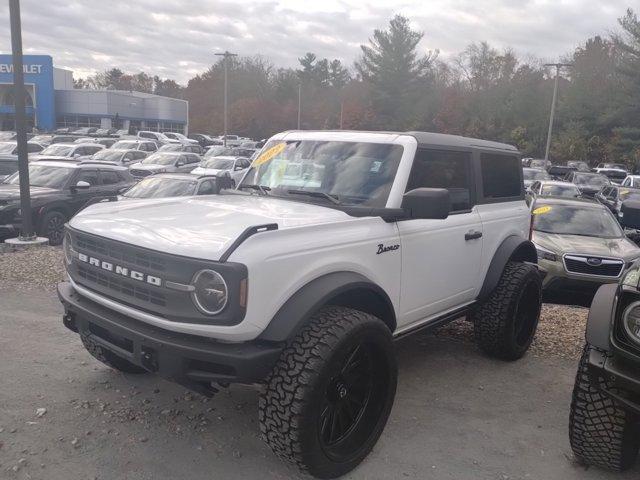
[472,235]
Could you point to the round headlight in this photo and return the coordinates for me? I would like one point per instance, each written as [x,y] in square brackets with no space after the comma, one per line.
[210,292]
[631,321]
[68,248]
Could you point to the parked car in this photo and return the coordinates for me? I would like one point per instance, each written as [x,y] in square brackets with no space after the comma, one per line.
[616,176]
[9,156]
[165,185]
[631,181]
[613,196]
[540,163]
[243,152]
[107,142]
[301,284]
[530,175]
[579,165]
[588,183]
[85,130]
[164,162]
[58,191]
[68,150]
[6,136]
[559,172]
[63,139]
[143,145]
[181,147]
[180,138]
[204,140]
[580,246]
[616,166]
[236,167]
[157,137]
[218,151]
[43,139]
[119,157]
[553,188]
[232,140]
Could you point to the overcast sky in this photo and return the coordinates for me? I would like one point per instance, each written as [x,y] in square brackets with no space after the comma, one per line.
[177,38]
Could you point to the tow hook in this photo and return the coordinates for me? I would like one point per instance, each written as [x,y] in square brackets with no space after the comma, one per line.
[149,359]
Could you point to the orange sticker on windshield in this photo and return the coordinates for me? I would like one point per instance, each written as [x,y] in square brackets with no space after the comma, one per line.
[542,210]
[624,192]
[269,154]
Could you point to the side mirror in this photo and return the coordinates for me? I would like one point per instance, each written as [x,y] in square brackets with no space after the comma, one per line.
[81,185]
[179,163]
[238,167]
[630,214]
[76,154]
[427,203]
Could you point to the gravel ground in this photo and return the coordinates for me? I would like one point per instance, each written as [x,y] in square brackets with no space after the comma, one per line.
[560,332]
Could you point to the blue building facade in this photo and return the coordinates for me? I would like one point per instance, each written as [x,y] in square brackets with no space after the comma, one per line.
[53,102]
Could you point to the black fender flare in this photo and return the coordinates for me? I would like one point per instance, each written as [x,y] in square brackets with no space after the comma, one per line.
[348,289]
[512,248]
[601,315]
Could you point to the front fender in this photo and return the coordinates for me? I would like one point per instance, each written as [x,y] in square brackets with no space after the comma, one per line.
[601,315]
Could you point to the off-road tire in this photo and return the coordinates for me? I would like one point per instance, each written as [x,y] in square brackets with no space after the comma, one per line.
[52,227]
[600,431]
[110,359]
[506,322]
[294,403]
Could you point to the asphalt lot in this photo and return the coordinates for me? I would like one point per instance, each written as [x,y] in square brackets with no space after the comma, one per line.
[458,415]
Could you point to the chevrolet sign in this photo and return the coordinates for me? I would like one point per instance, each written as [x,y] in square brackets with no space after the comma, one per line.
[119,270]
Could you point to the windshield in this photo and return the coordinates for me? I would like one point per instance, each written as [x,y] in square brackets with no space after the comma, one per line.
[532,174]
[156,187]
[592,180]
[58,150]
[107,155]
[7,147]
[218,151]
[125,145]
[353,173]
[161,159]
[615,174]
[576,220]
[171,147]
[218,163]
[44,176]
[560,190]
[625,194]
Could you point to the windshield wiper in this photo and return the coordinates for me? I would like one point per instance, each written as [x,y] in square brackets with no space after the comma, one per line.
[311,193]
[260,188]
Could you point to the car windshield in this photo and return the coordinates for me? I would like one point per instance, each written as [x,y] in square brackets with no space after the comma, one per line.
[575,220]
[171,147]
[218,151]
[58,150]
[591,180]
[533,174]
[107,155]
[619,166]
[218,163]
[560,190]
[355,173]
[615,174]
[156,187]
[125,145]
[625,194]
[7,147]
[44,176]
[161,159]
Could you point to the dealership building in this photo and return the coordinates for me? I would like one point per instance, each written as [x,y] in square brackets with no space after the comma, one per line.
[52,102]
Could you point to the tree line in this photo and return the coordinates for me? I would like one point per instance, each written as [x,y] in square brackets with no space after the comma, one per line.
[483,92]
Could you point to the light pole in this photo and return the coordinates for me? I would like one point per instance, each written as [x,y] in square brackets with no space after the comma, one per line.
[558,66]
[299,102]
[26,229]
[226,55]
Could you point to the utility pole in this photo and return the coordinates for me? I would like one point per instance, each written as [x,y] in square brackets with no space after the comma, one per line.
[341,112]
[26,230]
[226,55]
[299,102]
[557,66]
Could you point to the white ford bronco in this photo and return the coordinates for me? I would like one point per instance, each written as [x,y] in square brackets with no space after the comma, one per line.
[333,245]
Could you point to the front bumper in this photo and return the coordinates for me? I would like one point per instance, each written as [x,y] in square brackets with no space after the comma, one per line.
[189,360]
[619,375]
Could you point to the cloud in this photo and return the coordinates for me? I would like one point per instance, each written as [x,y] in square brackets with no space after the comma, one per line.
[176,39]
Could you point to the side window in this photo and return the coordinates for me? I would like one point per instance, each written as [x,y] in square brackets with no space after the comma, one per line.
[206,188]
[614,193]
[151,147]
[444,169]
[192,158]
[33,148]
[128,158]
[108,177]
[89,176]
[79,151]
[535,186]
[627,182]
[604,191]
[500,175]
[92,150]
[140,155]
[145,135]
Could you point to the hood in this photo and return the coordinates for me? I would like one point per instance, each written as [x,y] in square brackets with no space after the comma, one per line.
[149,167]
[198,227]
[594,246]
[11,192]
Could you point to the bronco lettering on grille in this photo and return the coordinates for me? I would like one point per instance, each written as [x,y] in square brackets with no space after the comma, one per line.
[125,272]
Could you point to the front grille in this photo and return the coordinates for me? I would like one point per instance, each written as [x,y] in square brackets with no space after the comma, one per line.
[122,286]
[139,173]
[115,252]
[599,266]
